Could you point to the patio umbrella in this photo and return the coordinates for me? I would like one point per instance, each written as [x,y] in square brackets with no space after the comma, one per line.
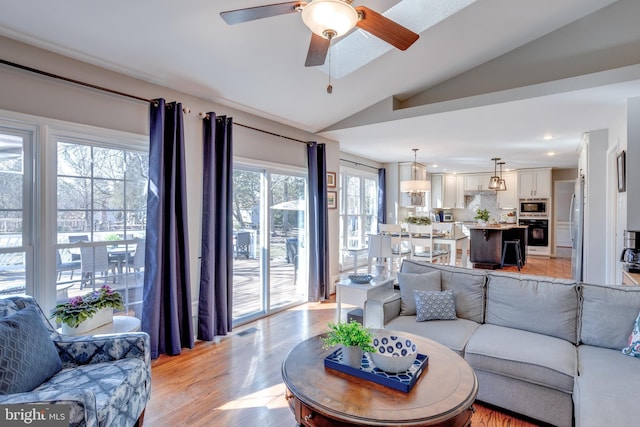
[291,205]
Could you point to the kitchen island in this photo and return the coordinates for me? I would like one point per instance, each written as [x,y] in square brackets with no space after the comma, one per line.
[486,243]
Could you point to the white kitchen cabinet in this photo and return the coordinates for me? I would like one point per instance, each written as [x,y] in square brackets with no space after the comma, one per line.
[477,182]
[453,192]
[509,199]
[437,193]
[534,183]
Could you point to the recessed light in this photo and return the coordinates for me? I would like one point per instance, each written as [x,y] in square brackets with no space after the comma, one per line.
[548,137]
[551,153]
[434,166]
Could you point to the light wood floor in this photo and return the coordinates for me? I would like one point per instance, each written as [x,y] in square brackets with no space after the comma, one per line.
[236,381]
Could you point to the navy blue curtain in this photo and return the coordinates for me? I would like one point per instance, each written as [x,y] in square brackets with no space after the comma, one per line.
[318,223]
[216,268]
[382,196]
[166,305]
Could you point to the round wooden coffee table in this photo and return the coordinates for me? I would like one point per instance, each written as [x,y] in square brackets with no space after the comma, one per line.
[318,396]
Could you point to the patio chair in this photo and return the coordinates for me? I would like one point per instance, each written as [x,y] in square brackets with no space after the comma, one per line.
[75,239]
[243,244]
[65,265]
[95,259]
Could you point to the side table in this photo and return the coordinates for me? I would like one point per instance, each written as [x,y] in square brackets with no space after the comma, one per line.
[356,294]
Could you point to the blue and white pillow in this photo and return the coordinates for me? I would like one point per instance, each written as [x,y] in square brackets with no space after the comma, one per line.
[435,305]
[633,349]
[28,357]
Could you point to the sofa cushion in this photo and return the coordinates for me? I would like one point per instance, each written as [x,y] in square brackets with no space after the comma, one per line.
[450,333]
[606,390]
[522,355]
[119,388]
[468,286]
[28,357]
[409,282]
[633,349]
[534,303]
[435,305]
[608,314]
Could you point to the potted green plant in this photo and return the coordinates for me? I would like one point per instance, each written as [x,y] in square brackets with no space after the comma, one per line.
[482,215]
[354,338]
[420,220]
[87,312]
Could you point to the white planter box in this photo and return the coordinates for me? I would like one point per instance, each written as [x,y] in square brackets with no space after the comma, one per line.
[101,317]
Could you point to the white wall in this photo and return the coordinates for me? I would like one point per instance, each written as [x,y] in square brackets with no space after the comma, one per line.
[28,93]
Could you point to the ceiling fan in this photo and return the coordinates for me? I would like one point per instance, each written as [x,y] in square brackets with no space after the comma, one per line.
[329,19]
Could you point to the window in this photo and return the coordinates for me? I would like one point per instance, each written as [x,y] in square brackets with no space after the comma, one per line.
[15,195]
[72,210]
[358,211]
[101,219]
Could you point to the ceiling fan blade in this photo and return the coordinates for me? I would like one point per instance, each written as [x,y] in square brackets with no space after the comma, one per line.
[385,29]
[318,49]
[251,13]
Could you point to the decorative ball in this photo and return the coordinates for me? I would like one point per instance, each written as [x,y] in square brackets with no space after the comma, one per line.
[394,353]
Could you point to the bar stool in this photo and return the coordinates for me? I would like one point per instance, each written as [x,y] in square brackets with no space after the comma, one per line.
[518,254]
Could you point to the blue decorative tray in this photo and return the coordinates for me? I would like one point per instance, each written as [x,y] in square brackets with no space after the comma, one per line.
[403,381]
[360,279]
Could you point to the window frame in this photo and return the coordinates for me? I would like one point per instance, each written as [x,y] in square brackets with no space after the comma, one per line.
[40,203]
[346,260]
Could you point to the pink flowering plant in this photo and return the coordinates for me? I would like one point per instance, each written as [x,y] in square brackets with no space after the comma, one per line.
[79,309]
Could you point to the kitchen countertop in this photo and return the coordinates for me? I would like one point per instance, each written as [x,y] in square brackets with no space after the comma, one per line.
[500,226]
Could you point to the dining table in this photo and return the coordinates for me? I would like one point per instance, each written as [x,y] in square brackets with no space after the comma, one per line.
[451,241]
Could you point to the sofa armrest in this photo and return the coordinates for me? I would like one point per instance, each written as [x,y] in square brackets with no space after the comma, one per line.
[84,350]
[81,403]
[378,312]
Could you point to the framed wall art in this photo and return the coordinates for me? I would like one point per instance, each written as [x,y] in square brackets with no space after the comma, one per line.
[331,179]
[622,172]
[332,199]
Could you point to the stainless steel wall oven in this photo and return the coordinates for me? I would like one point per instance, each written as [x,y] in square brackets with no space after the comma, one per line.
[538,231]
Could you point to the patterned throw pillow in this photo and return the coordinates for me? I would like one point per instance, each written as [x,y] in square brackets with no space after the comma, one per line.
[409,282]
[28,357]
[435,305]
[633,349]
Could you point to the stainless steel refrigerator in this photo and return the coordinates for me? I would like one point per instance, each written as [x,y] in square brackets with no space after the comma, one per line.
[576,225]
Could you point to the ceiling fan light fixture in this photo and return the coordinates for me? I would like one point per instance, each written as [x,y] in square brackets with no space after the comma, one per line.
[330,18]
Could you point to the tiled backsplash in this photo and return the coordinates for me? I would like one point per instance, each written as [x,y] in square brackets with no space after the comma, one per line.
[477,201]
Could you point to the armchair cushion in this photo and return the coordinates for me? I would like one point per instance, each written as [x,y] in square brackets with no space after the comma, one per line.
[28,357]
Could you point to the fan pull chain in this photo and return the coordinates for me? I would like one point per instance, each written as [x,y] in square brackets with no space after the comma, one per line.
[329,87]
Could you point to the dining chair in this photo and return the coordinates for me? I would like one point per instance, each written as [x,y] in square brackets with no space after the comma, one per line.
[95,259]
[421,236]
[399,250]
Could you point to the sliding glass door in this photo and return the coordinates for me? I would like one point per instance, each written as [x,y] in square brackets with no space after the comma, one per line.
[269,233]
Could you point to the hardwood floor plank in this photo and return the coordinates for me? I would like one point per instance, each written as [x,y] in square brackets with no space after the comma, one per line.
[236,380]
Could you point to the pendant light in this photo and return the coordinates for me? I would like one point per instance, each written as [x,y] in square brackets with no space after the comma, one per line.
[494,182]
[415,187]
[502,186]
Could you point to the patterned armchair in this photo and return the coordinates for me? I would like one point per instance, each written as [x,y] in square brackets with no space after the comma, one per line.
[105,380]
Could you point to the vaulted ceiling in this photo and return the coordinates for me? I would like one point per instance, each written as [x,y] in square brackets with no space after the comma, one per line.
[490,79]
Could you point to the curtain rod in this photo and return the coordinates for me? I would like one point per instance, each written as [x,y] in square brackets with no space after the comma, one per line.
[202,115]
[78,82]
[359,164]
[126,95]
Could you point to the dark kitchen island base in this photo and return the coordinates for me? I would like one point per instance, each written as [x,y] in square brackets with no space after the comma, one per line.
[486,244]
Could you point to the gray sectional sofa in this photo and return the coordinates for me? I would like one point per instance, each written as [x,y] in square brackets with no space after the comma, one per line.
[547,348]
